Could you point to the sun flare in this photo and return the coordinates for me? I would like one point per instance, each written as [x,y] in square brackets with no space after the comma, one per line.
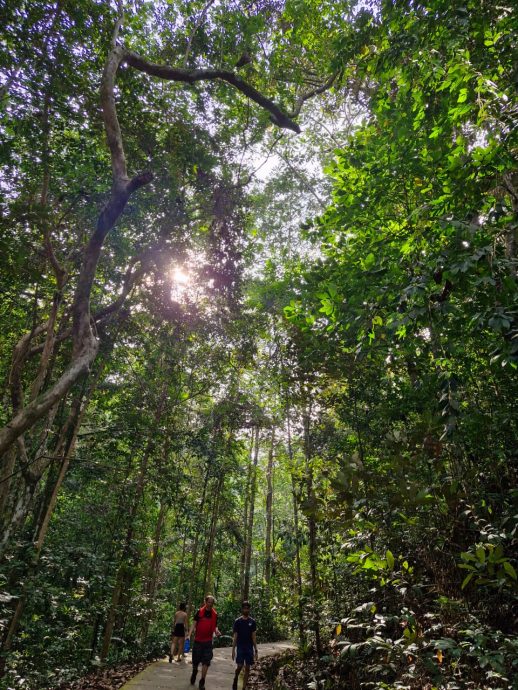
[180,276]
[181,283]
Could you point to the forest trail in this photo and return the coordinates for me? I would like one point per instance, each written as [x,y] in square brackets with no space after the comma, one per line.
[174,676]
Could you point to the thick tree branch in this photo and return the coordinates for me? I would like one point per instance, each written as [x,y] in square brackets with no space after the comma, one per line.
[20,354]
[30,414]
[109,113]
[130,280]
[48,347]
[122,188]
[190,76]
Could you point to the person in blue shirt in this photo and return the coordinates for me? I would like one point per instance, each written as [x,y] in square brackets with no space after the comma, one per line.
[245,641]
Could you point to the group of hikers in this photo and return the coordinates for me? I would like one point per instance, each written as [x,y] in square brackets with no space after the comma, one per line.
[205,628]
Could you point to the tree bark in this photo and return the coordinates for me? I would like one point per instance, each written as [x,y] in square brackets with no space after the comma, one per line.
[245,514]
[6,476]
[250,526]
[269,513]
[194,568]
[312,525]
[180,595]
[212,535]
[153,570]
[296,527]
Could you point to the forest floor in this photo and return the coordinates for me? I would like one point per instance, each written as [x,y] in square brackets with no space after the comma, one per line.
[267,671]
[111,678]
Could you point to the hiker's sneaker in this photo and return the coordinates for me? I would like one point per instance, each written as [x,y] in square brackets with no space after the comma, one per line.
[170,659]
[202,683]
[193,676]
[234,684]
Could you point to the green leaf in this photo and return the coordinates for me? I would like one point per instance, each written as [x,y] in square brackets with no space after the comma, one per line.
[390,559]
[466,580]
[369,261]
[463,94]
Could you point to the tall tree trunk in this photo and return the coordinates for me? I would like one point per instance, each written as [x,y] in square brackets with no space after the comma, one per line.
[269,513]
[95,635]
[250,526]
[312,525]
[180,595]
[153,570]
[196,546]
[212,536]
[245,514]
[296,526]
[6,475]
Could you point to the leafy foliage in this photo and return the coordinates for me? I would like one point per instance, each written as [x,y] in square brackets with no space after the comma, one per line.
[306,383]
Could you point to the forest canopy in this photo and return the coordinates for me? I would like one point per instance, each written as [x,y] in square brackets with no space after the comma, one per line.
[259,335]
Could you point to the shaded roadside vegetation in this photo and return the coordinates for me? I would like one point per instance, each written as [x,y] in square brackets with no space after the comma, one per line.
[299,390]
[106,679]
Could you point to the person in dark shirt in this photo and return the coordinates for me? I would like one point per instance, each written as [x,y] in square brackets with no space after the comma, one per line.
[245,641]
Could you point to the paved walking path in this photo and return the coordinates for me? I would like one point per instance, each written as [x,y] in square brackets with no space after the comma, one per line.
[165,676]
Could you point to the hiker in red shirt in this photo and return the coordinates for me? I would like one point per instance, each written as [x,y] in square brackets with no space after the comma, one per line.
[205,626]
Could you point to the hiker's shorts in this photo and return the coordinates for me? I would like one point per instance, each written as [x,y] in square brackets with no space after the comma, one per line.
[202,654]
[245,656]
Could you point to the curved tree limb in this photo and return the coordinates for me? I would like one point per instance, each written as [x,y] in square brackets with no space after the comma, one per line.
[48,347]
[30,414]
[20,353]
[190,76]
[131,278]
